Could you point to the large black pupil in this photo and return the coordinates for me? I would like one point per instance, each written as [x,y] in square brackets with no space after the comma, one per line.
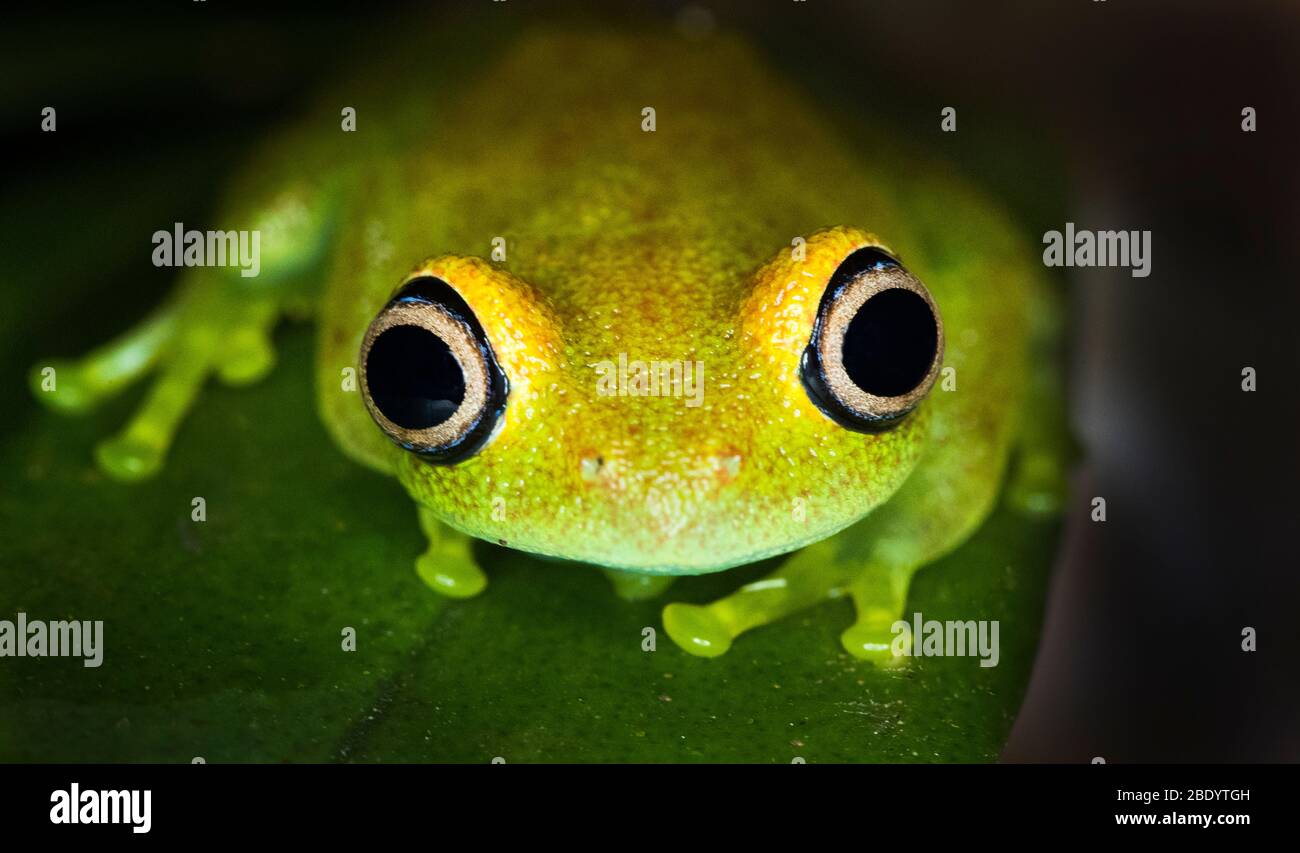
[413,377]
[890,343]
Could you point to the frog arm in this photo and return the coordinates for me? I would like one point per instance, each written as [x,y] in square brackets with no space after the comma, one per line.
[448,565]
[216,321]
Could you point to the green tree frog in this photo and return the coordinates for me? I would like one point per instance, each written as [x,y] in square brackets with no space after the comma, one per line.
[872,337]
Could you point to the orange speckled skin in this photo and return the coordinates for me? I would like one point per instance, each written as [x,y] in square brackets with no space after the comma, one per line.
[669,245]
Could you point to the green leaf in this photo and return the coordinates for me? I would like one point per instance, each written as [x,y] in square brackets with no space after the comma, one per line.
[223,637]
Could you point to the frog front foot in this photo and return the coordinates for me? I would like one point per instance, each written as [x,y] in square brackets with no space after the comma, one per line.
[447,566]
[810,577]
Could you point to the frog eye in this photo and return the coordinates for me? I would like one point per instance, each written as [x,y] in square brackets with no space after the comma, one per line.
[876,346]
[428,374]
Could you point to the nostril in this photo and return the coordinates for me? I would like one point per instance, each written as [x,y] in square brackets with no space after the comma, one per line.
[591,467]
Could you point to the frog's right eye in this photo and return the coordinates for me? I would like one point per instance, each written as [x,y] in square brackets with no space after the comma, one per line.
[429,377]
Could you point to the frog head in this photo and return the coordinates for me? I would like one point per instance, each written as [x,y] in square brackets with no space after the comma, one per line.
[642,413]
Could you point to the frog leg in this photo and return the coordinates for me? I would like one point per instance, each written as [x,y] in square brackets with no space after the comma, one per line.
[945,498]
[807,578]
[447,565]
[879,598]
[217,321]
[633,586]
[870,562]
[209,326]
[822,571]
[956,485]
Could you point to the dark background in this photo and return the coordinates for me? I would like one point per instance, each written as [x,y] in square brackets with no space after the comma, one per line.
[1101,113]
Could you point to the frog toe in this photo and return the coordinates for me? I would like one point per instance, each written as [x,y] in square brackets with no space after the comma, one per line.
[63,386]
[878,601]
[247,354]
[453,578]
[138,451]
[77,385]
[806,579]
[699,630]
[125,458]
[447,566]
[631,586]
[248,360]
[873,642]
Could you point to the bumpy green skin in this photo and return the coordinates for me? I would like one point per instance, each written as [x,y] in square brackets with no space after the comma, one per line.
[676,244]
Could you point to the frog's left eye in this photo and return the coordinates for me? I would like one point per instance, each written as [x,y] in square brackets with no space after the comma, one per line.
[428,374]
[877,344]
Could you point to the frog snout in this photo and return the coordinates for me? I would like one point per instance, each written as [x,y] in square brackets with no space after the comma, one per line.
[660,496]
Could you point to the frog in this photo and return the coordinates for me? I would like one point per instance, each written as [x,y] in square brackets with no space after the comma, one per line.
[874,348]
